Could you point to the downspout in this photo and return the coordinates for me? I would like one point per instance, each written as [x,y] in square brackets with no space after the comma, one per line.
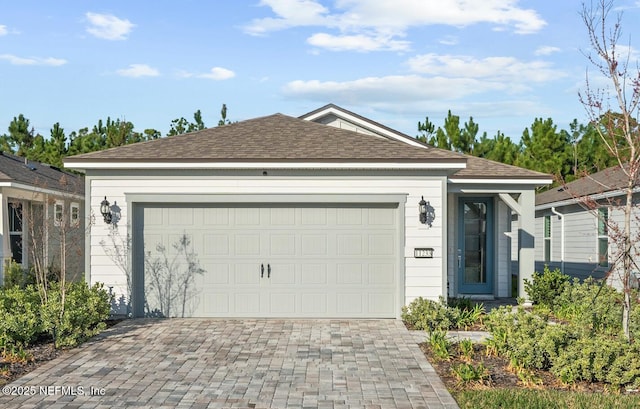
[561,216]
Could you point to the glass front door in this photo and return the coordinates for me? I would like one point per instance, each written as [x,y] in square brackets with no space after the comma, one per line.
[475,246]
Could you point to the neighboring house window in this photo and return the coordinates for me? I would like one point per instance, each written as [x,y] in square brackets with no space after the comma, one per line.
[603,237]
[58,211]
[75,214]
[15,231]
[547,239]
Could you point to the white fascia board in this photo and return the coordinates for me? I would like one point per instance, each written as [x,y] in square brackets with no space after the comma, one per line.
[572,201]
[34,189]
[502,181]
[365,124]
[264,165]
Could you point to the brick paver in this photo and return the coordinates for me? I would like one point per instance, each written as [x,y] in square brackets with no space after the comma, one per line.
[209,363]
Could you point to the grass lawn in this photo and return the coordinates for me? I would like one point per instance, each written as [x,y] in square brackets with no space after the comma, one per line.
[542,399]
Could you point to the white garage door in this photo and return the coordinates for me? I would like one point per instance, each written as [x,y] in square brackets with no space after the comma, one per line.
[276,261]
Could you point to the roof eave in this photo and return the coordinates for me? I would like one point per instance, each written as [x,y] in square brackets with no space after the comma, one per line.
[442,165]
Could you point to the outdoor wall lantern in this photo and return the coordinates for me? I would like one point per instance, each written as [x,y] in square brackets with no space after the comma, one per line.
[105,209]
[427,212]
[422,210]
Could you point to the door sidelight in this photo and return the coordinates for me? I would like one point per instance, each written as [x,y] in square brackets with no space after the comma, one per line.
[268,270]
[261,270]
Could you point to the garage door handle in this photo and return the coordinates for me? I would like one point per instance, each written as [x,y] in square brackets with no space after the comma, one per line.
[261,270]
[268,270]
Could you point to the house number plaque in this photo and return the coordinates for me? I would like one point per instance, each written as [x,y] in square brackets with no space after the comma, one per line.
[423,252]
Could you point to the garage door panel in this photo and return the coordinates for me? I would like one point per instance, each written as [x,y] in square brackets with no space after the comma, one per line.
[216,245]
[282,274]
[215,274]
[313,274]
[325,261]
[281,303]
[282,244]
[380,217]
[314,304]
[214,304]
[381,303]
[381,245]
[349,217]
[214,216]
[349,273]
[349,245]
[247,273]
[313,217]
[247,302]
[246,217]
[349,304]
[247,244]
[314,245]
[180,217]
[282,216]
[381,274]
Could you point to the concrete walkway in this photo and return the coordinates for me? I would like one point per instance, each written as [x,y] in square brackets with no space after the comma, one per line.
[207,363]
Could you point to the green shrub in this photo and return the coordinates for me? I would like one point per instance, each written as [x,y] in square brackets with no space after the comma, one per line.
[20,322]
[428,315]
[424,314]
[440,345]
[592,305]
[16,276]
[546,286]
[599,359]
[85,310]
[467,373]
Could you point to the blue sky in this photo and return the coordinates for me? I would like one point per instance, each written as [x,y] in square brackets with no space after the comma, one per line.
[504,62]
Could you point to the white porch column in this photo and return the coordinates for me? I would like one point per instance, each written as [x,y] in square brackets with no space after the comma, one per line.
[5,249]
[526,241]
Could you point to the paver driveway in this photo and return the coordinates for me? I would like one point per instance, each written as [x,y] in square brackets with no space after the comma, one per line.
[209,363]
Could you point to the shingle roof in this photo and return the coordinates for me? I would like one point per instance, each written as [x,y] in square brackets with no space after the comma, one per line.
[608,180]
[281,138]
[271,138]
[39,175]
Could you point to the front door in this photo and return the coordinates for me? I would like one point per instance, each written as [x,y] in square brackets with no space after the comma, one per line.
[475,246]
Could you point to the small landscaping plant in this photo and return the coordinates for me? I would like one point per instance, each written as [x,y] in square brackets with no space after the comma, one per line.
[25,319]
[429,315]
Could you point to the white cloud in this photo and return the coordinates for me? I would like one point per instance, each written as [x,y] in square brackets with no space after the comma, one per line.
[108,27]
[505,69]
[546,50]
[397,88]
[138,70]
[3,30]
[290,13]
[383,21]
[218,74]
[359,42]
[50,61]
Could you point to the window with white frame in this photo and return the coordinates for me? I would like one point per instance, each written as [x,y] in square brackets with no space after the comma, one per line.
[603,237]
[58,213]
[15,230]
[74,214]
[547,239]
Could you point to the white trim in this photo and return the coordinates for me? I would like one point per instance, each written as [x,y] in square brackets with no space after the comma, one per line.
[264,165]
[572,201]
[501,181]
[58,221]
[29,188]
[74,222]
[364,124]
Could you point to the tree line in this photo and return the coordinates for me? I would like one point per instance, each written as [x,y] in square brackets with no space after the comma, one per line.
[565,154]
[23,141]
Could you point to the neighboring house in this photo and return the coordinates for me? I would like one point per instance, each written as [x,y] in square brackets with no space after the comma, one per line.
[38,203]
[326,215]
[574,238]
